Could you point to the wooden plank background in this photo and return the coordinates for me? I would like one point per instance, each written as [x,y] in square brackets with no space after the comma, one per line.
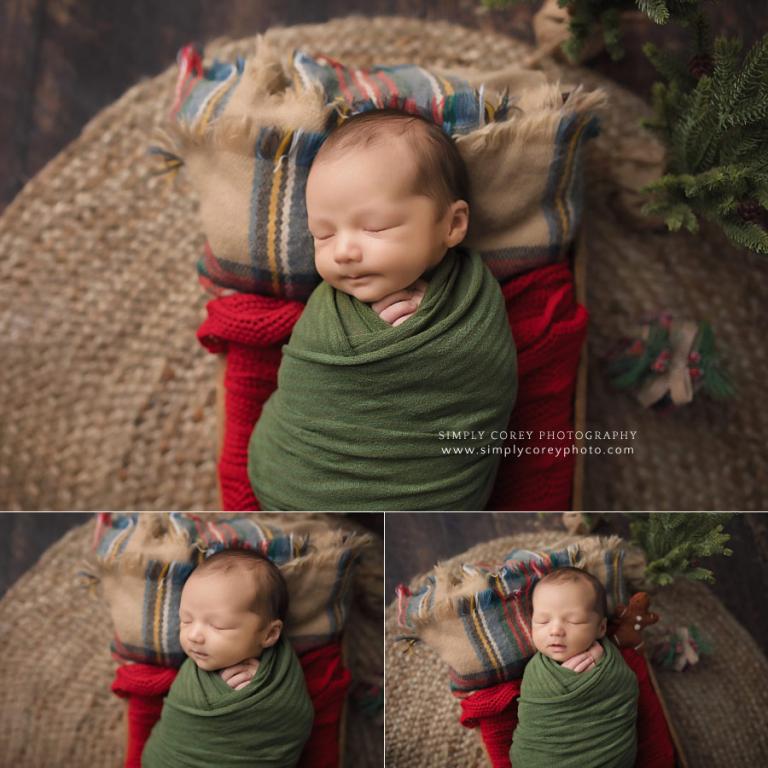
[62,61]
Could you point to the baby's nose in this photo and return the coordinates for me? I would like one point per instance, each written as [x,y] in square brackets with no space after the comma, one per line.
[347,249]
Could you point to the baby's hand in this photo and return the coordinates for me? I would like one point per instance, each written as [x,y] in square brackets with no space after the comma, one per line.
[239,675]
[399,306]
[582,662]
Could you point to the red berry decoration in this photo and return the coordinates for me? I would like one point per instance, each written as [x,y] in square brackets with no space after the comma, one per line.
[701,65]
[750,211]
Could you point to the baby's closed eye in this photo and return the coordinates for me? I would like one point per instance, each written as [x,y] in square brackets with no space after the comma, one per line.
[379,226]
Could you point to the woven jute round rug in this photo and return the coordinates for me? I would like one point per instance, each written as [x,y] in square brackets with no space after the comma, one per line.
[107,401]
[56,708]
[719,708]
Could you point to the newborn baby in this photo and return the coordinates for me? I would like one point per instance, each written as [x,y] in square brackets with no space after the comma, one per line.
[240,698]
[578,699]
[401,371]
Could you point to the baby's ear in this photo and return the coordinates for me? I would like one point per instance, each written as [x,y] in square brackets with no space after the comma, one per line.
[603,627]
[459,222]
[274,631]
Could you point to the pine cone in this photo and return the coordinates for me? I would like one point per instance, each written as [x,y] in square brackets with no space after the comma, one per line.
[751,211]
[701,64]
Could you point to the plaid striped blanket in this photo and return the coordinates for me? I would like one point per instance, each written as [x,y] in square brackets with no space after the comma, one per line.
[248,132]
[143,561]
[478,617]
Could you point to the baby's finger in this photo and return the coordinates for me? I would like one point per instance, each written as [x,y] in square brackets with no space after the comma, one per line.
[380,305]
[400,320]
[230,672]
[573,661]
[239,679]
[394,311]
[576,663]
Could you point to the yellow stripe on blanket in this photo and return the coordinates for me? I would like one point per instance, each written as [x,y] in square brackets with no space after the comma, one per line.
[277,179]
[482,635]
[565,180]
[216,97]
[158,612]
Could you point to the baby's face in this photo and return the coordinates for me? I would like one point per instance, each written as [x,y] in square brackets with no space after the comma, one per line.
[218,625]
[564,620]
[373,234]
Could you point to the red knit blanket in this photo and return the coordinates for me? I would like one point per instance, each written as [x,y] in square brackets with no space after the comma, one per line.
[494,711]
[145,687]
[549,328]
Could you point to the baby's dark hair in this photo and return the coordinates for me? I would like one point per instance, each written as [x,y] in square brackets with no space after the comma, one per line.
[271,589]
[440,170]
[560,575]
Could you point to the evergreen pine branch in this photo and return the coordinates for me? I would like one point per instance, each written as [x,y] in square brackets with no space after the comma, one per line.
[655,10]
[673,543]
[761,195]
[669,66]
[714,381]
[697,129]
[753,110]
[753,72]
[746,235]
[743,145]
[716,384]
[726,58]
[705,343]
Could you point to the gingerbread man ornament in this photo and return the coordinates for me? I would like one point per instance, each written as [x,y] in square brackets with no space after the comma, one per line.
[626,627]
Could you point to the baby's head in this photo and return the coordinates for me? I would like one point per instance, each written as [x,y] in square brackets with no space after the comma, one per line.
[233,606]
[386,198]
[569,613]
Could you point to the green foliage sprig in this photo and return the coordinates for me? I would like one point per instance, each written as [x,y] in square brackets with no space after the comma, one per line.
[674,543]
[713,116]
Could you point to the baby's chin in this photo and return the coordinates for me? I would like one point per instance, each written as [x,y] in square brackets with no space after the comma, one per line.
[369,291]
[206,663]
[368,294]
[561,654]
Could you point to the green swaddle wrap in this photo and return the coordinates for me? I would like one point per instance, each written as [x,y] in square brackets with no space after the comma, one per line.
[577,720]
[206,723]
[366,415]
